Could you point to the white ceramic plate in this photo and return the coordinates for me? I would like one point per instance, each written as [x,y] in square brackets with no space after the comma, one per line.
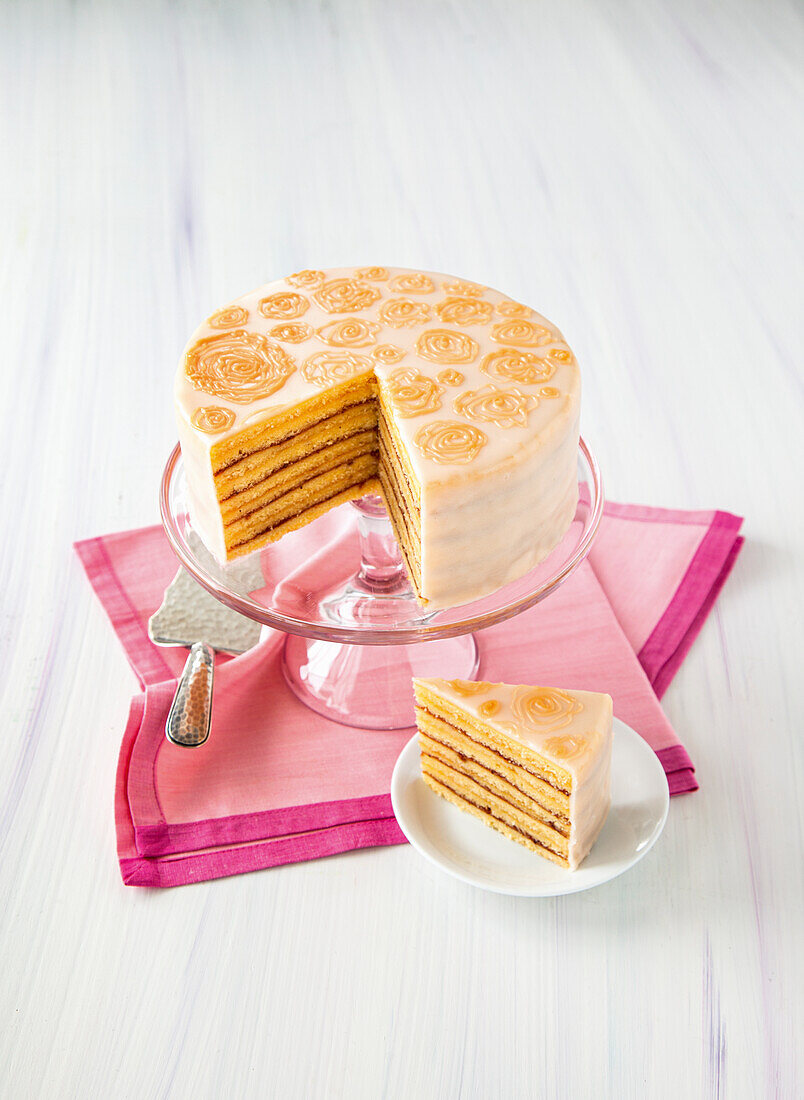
[466,848]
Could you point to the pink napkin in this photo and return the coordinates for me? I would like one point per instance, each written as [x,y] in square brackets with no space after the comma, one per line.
[277,783]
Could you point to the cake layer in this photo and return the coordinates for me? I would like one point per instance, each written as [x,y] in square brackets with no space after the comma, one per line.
[292,504]
[264,461]
[302,518]
[494,783]
[403,529]
[396,445]
[396,473]
[478,810]
[494,740]
[296,473]
[554,803]
[294,418]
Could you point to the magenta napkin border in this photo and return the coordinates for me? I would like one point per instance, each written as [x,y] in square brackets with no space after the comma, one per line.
[144,657]
[195,851]
[254,855]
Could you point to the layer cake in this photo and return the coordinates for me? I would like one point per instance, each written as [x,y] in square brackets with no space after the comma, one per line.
[531,762]
[457,404]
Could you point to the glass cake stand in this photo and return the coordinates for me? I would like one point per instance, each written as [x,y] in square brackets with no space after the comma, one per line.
[339,590]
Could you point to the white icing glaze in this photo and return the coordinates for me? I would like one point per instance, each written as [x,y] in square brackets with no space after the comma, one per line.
[490,429]
[572,729]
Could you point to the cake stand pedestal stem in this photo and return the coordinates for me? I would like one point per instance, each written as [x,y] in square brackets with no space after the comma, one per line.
[357,685]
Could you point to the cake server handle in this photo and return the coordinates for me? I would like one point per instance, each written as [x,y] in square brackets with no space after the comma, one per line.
[190,714]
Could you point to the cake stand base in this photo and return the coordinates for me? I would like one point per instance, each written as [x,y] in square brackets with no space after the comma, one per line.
[369,686]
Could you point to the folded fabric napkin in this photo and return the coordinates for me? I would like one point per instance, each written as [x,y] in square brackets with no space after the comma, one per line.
[278,784]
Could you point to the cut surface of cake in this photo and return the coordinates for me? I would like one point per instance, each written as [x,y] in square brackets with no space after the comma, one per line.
[531,762]
[456,403]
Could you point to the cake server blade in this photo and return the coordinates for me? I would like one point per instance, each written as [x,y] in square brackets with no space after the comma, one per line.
[190,616]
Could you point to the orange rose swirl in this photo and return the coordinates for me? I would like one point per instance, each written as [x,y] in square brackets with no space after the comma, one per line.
[349,333]
[505,408]
[464,311]
[373,274]
[512,365]
[413,283]
[284,306]
[469,687]
[549,392]
[560,355]
[490,708]
[346,295]
[508,308]
[212,419]
[449,442]
[413,394]
[522,333]
[463,289]
[566,747]
[544,708]
[402,313]
[450,377]
[387,353]
[445,345]
[294,332]
[240,366]
[327,367]
[306,278]
[230,317]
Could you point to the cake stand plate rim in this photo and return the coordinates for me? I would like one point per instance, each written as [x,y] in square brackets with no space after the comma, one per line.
[400,635]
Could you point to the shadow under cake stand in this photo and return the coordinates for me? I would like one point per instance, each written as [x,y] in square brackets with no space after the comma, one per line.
[355,632]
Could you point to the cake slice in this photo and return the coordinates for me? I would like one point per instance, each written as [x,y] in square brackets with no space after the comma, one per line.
[531,762]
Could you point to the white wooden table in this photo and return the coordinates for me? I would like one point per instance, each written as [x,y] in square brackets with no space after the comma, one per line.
[634,169]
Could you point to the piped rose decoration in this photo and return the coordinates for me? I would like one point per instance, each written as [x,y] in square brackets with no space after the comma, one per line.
[230,317]
[470,687]
[513,365]
[284,306]
[566,747]
[560,355]
[240,366]
[450,377]
[446,345]
[449,442]
[414,282]
[412,394]
[306,278]
[351,332]
[463,289]
[346,295]
[373,274]
[212,419]
[328,367]
[464,311]
[522,333]
[509,308]
[544,708]
[387,354]
[505,408]
[293,332]
[403,313]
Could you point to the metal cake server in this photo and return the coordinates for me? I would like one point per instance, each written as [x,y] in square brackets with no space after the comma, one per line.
[190,616]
